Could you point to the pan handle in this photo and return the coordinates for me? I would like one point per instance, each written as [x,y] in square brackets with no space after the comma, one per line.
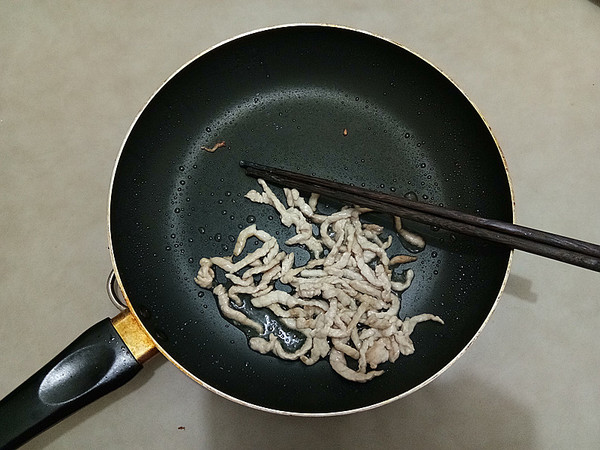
[96,363]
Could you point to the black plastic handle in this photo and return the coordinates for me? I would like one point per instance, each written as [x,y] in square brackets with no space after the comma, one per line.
[96,363]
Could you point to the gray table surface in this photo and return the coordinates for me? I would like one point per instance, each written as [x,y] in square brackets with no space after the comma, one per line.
[75,74]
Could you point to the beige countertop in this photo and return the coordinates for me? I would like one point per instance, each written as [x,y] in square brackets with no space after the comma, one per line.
[75,74]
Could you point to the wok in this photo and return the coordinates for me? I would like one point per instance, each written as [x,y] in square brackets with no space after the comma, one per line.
[324,100]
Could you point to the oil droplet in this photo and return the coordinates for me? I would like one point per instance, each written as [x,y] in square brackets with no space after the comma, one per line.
[182,182]
[190,260]
[168,248]
[177,210]
[411,196]
[406,135]
[173,235]
[208,129]
[251,219]
[218,237]
[181,168]
[161,335]
[202,230]
[200,294]
[434,254]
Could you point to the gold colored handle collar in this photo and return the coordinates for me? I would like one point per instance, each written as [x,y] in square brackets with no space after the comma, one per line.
[135,338]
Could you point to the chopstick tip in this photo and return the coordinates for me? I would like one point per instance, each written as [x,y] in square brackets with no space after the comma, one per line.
[252,165]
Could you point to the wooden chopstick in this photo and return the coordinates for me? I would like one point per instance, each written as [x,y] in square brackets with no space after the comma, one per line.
[561,248]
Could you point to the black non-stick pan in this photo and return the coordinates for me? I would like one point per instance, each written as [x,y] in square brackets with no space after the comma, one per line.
[322,100]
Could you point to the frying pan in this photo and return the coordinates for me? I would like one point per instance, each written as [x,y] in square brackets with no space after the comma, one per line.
[323,100]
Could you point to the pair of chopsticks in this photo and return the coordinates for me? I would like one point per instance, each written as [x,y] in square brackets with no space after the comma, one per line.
[561,248]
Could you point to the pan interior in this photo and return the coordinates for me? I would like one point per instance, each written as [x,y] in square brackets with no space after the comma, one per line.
[284,97]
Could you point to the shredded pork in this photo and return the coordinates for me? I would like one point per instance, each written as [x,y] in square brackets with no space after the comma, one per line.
[343,301]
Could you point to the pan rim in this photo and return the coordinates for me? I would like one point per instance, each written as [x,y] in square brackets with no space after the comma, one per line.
[224,394]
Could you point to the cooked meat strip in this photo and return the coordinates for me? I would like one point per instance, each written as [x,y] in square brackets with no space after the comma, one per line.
[344,303]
